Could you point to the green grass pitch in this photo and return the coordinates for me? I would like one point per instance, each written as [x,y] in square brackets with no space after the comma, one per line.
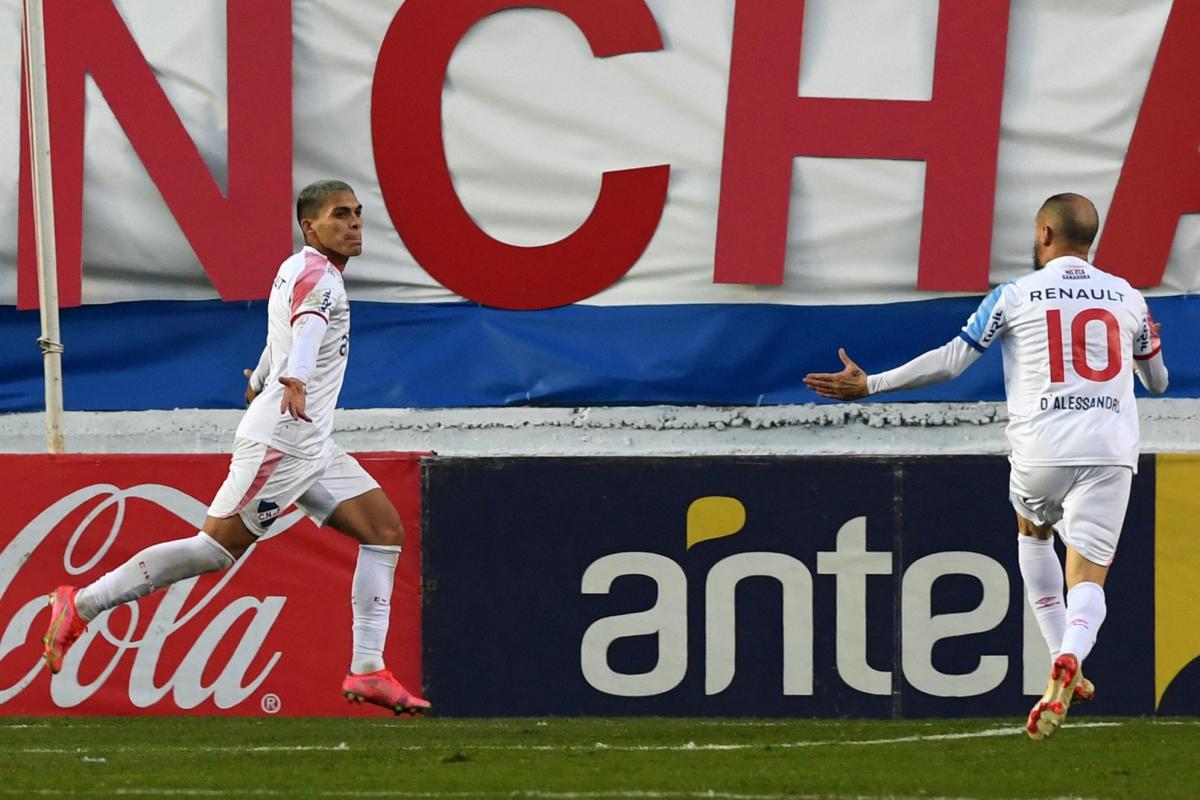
[577,759]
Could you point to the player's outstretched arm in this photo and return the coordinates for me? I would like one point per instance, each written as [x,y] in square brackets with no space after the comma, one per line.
[849,384]
[934,366]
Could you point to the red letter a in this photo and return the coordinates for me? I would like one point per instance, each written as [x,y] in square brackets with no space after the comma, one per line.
[1161,177]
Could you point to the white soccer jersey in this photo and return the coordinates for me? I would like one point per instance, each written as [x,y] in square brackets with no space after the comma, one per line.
[307,283]
[1069,335]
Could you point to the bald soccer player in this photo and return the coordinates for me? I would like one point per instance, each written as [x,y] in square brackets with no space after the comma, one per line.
[1072,337]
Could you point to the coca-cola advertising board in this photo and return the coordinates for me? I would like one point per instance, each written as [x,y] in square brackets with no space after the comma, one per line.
[271,635]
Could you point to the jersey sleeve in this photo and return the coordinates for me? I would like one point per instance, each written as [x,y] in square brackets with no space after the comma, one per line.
[258,377]
[315,292]
[307,332]
[1148,362]
[934,366]
[1146,344]
[989,320]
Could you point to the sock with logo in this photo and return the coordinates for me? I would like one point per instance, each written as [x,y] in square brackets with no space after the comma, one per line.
[1085,614]
[371,599]
[1043,576]
[153,568]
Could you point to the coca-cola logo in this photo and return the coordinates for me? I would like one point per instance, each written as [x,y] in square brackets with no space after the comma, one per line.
[203,627]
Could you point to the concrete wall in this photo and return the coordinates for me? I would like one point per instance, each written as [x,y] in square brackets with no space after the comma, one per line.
[1168,426]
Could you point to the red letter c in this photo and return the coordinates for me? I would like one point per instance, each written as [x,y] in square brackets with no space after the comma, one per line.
[410,160]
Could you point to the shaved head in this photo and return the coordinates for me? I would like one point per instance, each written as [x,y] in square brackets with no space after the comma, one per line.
[1072,217]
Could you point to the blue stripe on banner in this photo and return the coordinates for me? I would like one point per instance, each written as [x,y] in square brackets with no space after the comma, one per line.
[159,354]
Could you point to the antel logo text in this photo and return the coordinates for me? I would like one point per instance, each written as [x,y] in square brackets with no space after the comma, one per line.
[849,565]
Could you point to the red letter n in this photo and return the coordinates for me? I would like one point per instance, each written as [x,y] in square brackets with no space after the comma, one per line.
[1160,180]
[956,133]
[240,238]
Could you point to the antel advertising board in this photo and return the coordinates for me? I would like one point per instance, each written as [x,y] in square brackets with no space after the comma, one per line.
[764,586]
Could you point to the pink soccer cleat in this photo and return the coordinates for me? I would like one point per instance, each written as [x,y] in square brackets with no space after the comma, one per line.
[1047,714]
[382,689]
[65,627]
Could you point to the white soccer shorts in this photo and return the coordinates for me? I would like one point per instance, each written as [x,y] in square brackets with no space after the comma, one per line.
[1085,504]
[263,482]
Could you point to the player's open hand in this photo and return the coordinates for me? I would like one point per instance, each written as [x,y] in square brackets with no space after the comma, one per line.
[294,398]
[849,384]
[1155,328]
[250,393]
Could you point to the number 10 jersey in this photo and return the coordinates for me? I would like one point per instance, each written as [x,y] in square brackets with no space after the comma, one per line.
[1071,336]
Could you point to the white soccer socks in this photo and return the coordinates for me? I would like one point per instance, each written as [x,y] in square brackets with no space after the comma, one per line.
[1043,576]
[1085,614]
[153,568]
[371,599]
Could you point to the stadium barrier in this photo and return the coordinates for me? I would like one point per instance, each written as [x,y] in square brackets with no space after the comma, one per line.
[772,586]
[269,636]
[779,586]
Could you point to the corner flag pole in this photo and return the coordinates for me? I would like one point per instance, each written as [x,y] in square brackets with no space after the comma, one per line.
[43,218]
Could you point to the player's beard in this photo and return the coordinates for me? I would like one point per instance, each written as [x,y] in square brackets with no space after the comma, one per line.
[1037,262]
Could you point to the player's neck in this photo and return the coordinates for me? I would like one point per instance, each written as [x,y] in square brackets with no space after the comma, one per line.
[337,259]
[1082,255]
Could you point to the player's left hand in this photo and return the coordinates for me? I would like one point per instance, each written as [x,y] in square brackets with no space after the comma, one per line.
[849,384]
[294,398]
[250,393]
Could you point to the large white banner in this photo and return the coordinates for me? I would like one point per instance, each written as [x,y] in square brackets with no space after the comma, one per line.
[531,118]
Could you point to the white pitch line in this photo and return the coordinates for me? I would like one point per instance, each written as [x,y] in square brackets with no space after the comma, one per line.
[531,794]
[931,737]
[682,748]
[269,748]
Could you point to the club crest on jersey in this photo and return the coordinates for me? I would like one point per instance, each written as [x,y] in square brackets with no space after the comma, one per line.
[1075,273]
[267,513]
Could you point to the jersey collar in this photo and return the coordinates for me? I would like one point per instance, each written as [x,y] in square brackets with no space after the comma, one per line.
[1065,262]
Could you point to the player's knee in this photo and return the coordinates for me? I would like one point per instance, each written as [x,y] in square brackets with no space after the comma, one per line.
[215,556]
[385,532]
[390,534]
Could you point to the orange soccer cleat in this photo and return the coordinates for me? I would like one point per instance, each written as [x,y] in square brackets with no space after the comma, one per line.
[65,627]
